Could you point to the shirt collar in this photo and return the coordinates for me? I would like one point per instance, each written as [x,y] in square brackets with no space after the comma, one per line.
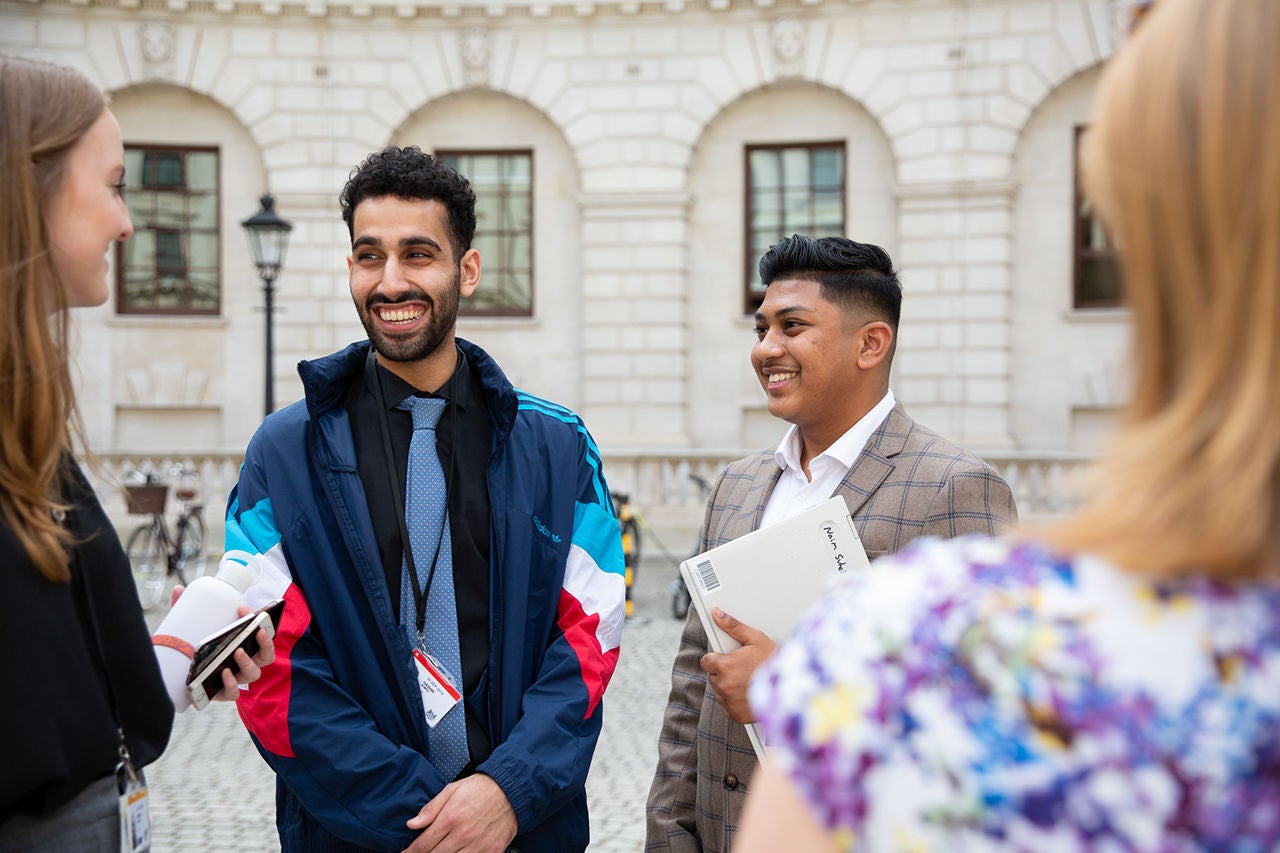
[845,450]
[395,389]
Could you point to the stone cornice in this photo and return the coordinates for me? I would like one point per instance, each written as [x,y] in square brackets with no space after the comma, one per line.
[439,9]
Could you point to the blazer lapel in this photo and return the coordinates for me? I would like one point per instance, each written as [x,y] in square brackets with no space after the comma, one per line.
[742,501]
[766,478]
[875,463]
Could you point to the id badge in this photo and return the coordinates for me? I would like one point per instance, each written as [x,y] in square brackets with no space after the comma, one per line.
[135,815]
[438,691]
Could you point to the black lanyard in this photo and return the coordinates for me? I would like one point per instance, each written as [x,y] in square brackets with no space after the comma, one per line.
[419,593]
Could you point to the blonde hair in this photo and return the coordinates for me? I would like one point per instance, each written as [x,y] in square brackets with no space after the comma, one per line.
[1183,163]
[46,109]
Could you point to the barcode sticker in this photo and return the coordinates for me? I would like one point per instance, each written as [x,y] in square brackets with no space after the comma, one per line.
[707,576]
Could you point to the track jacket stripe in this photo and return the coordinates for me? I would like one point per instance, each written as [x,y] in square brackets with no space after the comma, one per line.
[264,706]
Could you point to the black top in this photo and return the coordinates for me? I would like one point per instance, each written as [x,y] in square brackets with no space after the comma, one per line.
[60,732]
[468,501]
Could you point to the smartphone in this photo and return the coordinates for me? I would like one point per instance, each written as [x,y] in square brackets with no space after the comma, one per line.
[215,654]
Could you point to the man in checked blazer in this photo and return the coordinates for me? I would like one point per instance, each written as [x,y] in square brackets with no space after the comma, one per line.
[826,335]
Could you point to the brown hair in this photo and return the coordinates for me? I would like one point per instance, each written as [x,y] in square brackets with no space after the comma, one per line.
[1183,163]
[47,109]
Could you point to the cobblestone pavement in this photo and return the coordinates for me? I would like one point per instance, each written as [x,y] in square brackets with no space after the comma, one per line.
[212,792]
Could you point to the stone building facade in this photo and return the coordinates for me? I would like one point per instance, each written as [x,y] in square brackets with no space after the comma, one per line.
[956,120]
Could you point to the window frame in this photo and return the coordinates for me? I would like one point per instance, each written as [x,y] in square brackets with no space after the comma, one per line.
[136,185]
[464,309]
[750,300]
[1079,230]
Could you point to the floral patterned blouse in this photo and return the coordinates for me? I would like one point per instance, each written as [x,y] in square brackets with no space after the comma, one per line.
[987,695]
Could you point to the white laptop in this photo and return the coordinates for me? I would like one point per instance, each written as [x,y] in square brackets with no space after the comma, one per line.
[768,578]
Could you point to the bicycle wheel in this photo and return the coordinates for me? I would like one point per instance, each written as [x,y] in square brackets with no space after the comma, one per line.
[631,530]
[150,563]
[192,555]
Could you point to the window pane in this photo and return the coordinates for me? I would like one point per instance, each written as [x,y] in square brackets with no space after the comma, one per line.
[139,289]
[172,262]
[1100,282]
[490,262]
[518,175]
[204,250]
[204,291]
[162,169]
[203,211]
[766,209]
[519,253]
[484,171]
[488,204]
[169,255]
[828,168]
[202,171]
[133,168]
[828,209]
[765,170]
[516,213]
[795,167]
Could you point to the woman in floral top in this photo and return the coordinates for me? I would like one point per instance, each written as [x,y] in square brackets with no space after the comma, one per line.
[1112,684]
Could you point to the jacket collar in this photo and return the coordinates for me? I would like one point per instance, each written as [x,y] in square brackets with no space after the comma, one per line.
[325,381]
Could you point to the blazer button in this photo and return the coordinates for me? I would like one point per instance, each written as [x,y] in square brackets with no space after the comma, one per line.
[731,782]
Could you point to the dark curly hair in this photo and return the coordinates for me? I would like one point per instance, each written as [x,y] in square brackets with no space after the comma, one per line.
[411,174]
[853,276]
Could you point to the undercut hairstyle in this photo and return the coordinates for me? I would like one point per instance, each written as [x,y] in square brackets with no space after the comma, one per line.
[413,175]
[46,110]
[858,278]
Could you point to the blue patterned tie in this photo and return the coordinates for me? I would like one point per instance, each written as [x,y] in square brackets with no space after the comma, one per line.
[426,516]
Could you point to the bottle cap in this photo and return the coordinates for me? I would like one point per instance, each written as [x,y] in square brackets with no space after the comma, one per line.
[239,569]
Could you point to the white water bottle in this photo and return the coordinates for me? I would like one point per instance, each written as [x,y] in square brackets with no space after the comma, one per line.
[209,604]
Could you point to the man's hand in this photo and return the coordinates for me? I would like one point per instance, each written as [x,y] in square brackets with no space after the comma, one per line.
[470,814]
[730,674]
[248,669]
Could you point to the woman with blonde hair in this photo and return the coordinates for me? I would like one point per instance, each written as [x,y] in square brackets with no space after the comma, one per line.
[86,707]
[1113,683]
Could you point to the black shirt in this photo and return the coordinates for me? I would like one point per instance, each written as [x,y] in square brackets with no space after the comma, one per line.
[464,433]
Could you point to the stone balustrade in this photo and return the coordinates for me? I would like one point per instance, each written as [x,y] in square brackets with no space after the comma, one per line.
[663,485]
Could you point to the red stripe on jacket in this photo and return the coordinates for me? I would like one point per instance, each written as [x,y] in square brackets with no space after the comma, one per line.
[264,707]
[580,630]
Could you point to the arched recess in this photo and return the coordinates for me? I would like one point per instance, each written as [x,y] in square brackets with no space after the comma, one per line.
[539,353]
[177,381]
[1068,365]
[727,405]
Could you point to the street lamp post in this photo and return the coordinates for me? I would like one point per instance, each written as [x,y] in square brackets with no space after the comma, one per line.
[268,238]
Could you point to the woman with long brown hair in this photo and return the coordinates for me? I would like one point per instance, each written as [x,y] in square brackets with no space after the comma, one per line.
[85,707]
[1114,682]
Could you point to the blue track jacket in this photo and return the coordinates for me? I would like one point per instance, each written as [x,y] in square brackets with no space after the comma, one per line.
[339,716]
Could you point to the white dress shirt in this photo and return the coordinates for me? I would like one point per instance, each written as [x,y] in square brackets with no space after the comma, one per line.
[795,492]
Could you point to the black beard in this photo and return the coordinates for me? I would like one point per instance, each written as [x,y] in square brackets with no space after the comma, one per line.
[441,318]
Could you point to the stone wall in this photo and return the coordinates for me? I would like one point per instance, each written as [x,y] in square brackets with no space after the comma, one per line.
[956,115]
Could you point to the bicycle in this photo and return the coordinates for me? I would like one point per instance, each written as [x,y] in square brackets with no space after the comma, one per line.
[680,597]
[630,521]
[153,552]
[630,529]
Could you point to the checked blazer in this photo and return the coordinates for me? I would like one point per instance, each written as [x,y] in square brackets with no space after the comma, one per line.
[907,483]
